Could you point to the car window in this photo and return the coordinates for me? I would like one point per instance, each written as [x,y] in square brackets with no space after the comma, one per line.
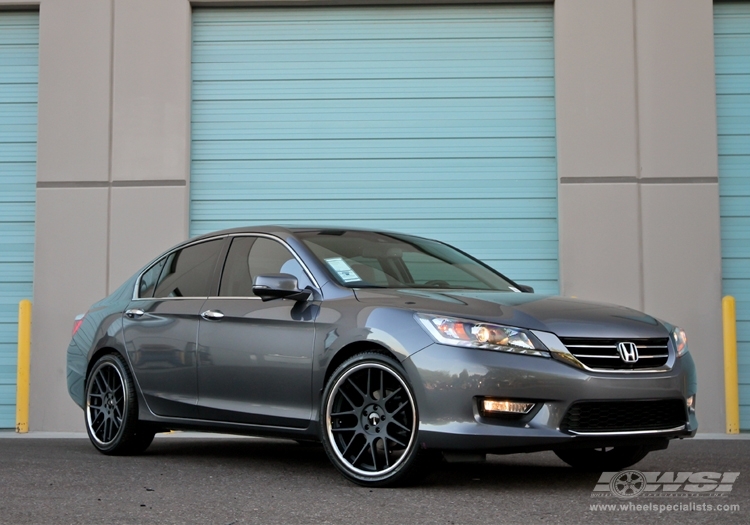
[235,279]
[362,259]
[252,256]
[370,271]
[188,272]
[149,278]
[427,269]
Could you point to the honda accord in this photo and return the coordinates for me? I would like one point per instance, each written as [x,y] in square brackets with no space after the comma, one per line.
[390,349]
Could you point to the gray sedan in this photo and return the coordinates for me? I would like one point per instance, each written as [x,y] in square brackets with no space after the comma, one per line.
[389,349]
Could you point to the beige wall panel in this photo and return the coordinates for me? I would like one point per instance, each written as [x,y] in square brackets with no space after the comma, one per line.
[595,88]
[145,222]
[599,244]
[151,101]
[74,94]
[682,276]
[676,88]
[70,274]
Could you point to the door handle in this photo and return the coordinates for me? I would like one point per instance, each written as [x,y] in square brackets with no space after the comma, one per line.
[134,313]
[212,315]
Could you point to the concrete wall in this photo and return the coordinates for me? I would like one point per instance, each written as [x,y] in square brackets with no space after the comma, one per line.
[637,162]
[113,169]
[636,131]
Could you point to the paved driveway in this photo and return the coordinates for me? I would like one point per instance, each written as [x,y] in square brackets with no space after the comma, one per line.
[245,480]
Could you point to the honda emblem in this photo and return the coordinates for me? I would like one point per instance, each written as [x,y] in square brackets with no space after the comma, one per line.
[628,352]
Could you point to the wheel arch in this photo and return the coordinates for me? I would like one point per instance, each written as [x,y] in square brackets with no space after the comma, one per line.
[98,354]
[353,349]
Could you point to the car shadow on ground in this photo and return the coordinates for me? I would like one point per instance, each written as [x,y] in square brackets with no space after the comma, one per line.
[517,472]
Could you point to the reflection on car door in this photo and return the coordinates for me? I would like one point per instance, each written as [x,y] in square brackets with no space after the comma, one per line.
[161,327]
[255,357]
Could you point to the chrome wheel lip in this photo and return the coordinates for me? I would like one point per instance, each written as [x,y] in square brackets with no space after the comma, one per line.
[329,427]
[89,421]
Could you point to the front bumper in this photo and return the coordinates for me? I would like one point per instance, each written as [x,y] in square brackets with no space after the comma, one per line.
[449,380]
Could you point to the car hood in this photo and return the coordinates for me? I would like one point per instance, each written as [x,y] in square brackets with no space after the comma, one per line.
[563,316]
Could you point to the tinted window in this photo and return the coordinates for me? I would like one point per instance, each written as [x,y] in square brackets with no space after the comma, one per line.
[148,279]
[252,256]
[188,272]
[236,280]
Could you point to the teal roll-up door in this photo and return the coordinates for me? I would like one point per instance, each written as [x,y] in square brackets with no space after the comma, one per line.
[437,121]
[732,44]
[19,52]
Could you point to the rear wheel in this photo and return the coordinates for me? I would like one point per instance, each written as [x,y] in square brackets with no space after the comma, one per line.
[369,421]
[112,409]
[603,458]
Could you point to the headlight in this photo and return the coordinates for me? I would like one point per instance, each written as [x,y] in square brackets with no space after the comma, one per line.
[679,338]
[476,334]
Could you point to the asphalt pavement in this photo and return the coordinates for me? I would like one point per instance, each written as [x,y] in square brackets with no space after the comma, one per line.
[233,480]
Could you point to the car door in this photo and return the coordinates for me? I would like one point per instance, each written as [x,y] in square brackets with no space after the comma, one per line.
[255,357]
[160,327]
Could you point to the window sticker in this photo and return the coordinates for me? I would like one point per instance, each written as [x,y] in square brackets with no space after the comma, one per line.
[343,270]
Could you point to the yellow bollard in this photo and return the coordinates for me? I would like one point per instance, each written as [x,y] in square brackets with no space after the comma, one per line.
[731,382]
[24,359]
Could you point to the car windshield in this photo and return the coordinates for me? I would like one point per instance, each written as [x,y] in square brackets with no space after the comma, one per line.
[360,259]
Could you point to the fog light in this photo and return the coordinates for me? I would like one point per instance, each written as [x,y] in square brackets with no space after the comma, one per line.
[691,403]
[506,407]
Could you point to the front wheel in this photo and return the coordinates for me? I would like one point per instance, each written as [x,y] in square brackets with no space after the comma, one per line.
[369,421]
[112,409]
[603,458]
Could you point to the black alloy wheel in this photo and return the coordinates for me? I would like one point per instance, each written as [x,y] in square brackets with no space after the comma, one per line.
[112,410]
[370,422]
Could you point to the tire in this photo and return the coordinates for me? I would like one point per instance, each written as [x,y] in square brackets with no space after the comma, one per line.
[603,458]
[111,412]
[370,423]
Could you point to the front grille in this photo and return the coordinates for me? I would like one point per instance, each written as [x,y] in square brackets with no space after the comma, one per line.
[603,354]
[614,416]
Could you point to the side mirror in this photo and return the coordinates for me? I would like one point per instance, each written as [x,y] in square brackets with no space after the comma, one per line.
[525,288]
[279,286]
